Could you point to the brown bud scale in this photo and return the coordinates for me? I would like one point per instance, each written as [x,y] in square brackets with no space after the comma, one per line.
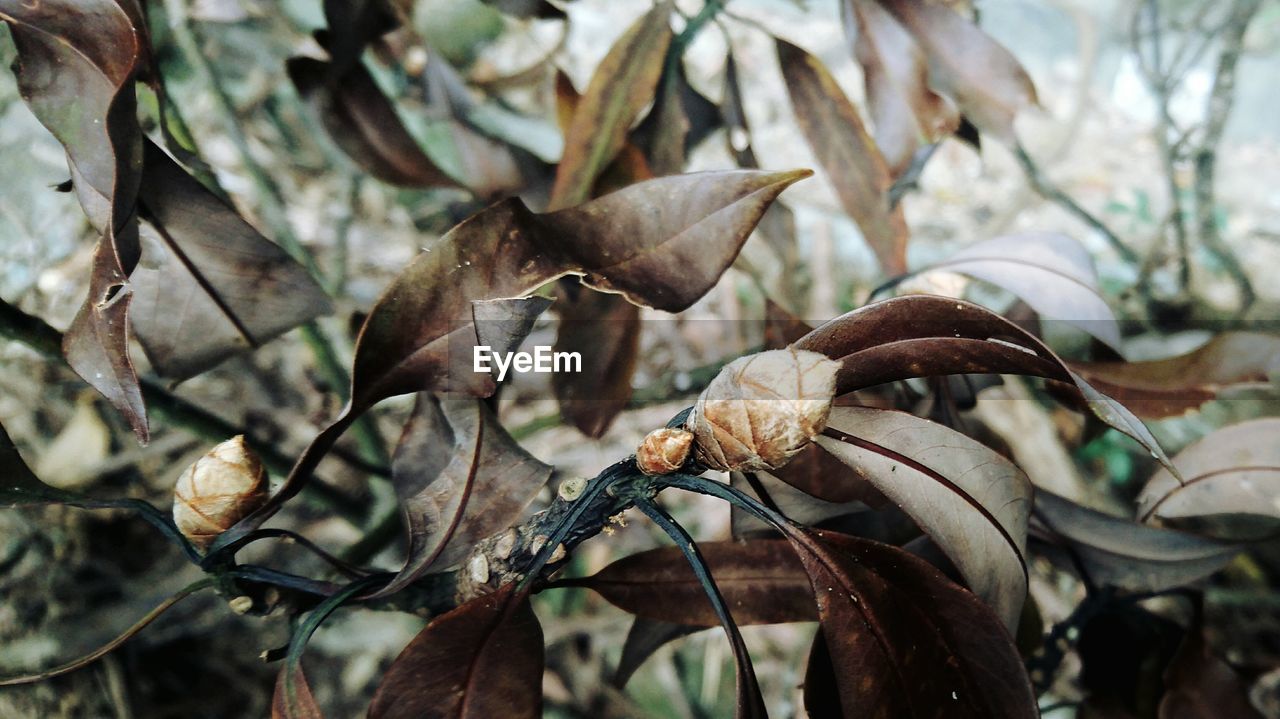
[664,450]
[218,490]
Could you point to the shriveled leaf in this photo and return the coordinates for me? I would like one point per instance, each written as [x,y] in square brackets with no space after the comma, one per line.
[1122,553]
[460,477]
[362,121]
[662,243]
[76,65]
[967,65]
[481,660]
[604,330]
[96,344]
[1049,271]
[1200,685]
[622,86]
[906,642]
[681,117]
[905,112]
[644,638]
[926,335]
[1156,389]
[761,580]
[734,115]
[1234,470]
[970,499]
[847,154]
[208,285]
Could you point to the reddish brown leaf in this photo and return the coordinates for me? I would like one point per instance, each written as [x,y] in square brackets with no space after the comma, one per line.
[904,641]
[622,86]
[971,500]
[644,638]
[761,580]
[852,163]
[208,285]
[1122,553]
[904,111]
[481,660]
[363,122]
[926,335]
[460,477]
[1234,470]
[1049,271]
[1169,387]
[984,79]
[604,329]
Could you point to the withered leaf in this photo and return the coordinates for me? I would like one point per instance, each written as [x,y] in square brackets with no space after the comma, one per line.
[761,580]
[604,329]
[503,324]
[904,641]
[927,335]
[794,503]
[966,64]
[460,477]
[362,121]
[971,500]
[1234,470]
[96,344]
[904,112]
[292,698]
[621,87]
[1049,271]
[481,660]
[208,285]
[1122,553]
[848,156]
[1169,387]
[76,65]
[662,243]
[644,638]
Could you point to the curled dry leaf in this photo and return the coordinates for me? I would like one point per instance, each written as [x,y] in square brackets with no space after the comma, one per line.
[855,167]
[761,580]
[1234,470]
[970,499]
[926,335]
[460,477]
[1122,553]
[904,111]
[481,660]
[967,65]
[905,640]
[218,490]
[77,62]
[603,329]
[1049,271]
[1156,389]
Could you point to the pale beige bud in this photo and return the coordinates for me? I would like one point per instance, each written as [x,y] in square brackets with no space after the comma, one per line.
[762,409]
[664,450]
[218,490]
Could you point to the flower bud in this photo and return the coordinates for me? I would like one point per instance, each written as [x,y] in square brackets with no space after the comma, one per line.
[762,409]
[218,490]
[664,450]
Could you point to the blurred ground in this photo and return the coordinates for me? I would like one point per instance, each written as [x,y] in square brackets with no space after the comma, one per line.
[68,578]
